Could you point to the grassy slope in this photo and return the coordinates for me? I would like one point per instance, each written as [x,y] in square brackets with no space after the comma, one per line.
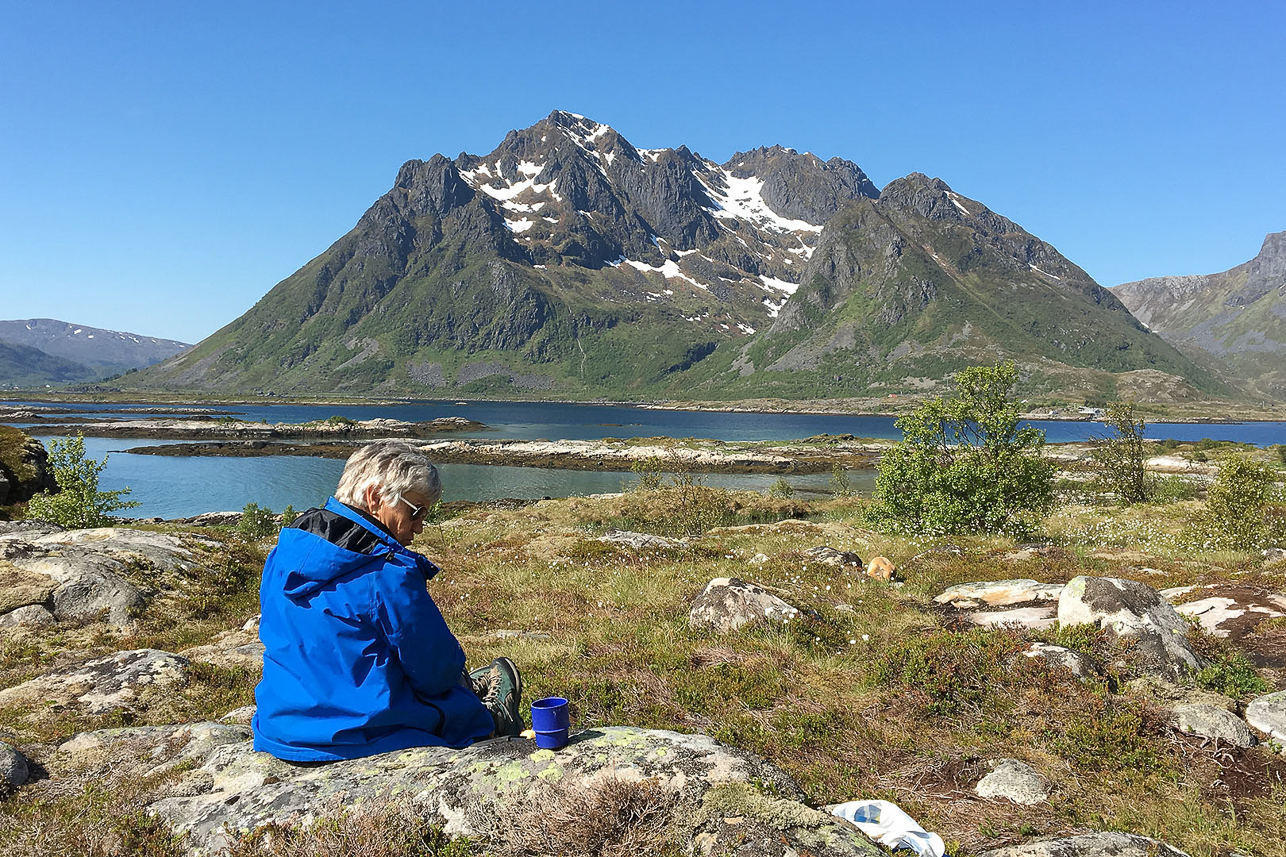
[869,694]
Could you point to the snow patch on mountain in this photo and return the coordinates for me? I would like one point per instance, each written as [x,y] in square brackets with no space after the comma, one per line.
[743,200]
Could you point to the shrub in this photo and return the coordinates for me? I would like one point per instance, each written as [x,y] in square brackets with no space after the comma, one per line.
[78,502]
[1233,675]
[1172,489]
[649,473]
[1119,456]
[1235,505]
[256,522]
[781,489]
[839,481]
[965,465]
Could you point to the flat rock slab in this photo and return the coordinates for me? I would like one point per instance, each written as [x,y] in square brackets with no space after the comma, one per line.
[1235,611]
[710,785]
[640,540]
[999,593]
[1090,845]
[1036,618]
[101,685]
[1268,715]
[729,603]
[1126,608]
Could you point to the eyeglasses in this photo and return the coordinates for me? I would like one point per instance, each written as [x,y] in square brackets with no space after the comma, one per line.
[417,512]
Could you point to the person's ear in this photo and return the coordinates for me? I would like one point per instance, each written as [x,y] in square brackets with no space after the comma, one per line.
[373,497]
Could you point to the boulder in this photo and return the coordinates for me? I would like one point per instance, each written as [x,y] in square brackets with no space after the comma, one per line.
[1268,715]
[1089,845]
[33,615]
[101,685]
[1211,721]
[640,540]
[1080,665]
[1126,608]
[13,766]
[1013,780]
[728,603]
[21,588]
[715,796]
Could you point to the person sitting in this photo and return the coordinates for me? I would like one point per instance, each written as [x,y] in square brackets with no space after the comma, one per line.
[357,658]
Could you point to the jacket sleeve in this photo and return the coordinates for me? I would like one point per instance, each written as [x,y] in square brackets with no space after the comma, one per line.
[424,646]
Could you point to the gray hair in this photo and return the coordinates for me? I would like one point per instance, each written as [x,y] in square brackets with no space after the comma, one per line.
[396,467]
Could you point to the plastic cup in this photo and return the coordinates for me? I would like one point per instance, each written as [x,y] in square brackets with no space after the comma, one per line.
[551,721]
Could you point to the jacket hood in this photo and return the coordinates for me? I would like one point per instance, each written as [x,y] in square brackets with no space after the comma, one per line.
[334,542]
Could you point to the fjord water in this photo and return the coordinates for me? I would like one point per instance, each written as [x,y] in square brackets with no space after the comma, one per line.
[170,487]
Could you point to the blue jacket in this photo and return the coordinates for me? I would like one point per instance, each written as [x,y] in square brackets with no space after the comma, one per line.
[357,658]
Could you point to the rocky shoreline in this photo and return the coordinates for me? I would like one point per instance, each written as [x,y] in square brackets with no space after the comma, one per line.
[659,454]
[200,428]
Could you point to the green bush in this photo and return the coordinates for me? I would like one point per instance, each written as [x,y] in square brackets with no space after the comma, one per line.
[1232,675]
[650,474]
[781,489]
[1172,489]
[1119,456]
[965,465]
[78,502]
[256,522]
[840,484]
[1236,506]
[1281,453]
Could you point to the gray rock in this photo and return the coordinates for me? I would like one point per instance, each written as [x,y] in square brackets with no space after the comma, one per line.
[78,572]
[101,685]
[1211,721]
[1268,715]
[1036,618]
[1125,608]
[1013,780]
[13,766]
[716,792]
[33,615]
[1230,610]
[640,540]
[999,593]
[1090,845]
[729,603]
[1082,666]
[827,555]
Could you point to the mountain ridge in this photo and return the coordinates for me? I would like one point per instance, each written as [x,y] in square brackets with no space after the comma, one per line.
[570,262]
[1232,321]
[97,352]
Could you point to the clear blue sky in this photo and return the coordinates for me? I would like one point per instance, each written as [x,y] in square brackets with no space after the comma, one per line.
[164,164]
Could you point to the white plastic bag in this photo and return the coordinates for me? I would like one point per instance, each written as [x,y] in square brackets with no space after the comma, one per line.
[888,825]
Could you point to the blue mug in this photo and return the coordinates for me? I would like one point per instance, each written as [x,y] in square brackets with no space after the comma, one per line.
[551,721]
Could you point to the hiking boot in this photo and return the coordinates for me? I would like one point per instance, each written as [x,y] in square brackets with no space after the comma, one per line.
[499,686]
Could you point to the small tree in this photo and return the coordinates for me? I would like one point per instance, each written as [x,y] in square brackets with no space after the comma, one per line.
[1119,456]
[964,464]
[78,503]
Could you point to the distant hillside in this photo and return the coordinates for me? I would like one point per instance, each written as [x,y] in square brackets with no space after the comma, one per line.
[104,352]
[23,366]
[1234,321]
[568,262]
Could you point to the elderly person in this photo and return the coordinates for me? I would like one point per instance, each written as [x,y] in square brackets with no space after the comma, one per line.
[357,658]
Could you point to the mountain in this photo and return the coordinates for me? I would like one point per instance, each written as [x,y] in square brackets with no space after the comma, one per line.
[1235,320]
[24,366]
[569,262]
[100,352]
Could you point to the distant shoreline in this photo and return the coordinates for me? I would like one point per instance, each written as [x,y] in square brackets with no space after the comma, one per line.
[811,408]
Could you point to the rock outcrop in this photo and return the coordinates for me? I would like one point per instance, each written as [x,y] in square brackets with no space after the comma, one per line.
[24,467]
[50,575]
[729,603]
[1126,608]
